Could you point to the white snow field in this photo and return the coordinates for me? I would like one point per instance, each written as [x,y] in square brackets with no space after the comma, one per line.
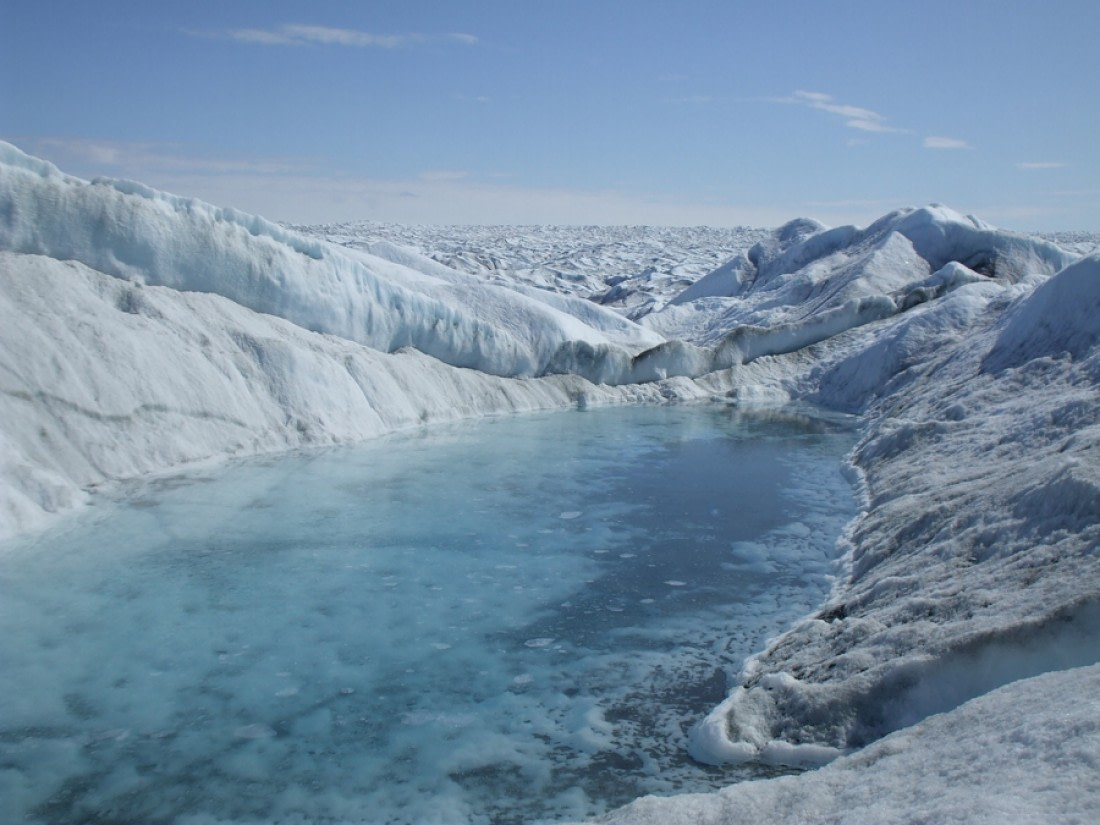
[952,675]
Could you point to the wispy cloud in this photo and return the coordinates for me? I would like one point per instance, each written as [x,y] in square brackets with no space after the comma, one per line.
[1042,164]
[938,142]
[855,117]
[300,34]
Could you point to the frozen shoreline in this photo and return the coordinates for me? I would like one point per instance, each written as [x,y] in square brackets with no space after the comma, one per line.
[970,355]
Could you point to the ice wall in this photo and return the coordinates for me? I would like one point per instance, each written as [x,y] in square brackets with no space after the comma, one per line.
[130,231]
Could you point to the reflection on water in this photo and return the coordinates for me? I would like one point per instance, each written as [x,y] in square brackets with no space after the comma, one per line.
[500,622]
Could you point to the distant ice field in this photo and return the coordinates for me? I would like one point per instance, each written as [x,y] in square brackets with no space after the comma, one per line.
[513,620]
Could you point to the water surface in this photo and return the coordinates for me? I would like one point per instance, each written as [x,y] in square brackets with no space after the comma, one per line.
[511,620]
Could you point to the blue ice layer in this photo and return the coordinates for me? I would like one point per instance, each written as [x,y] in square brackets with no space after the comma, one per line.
[508,621]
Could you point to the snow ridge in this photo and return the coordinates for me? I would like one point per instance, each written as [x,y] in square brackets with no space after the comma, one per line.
[129,231]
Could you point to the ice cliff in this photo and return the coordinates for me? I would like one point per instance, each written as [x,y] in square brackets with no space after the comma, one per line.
[386,301]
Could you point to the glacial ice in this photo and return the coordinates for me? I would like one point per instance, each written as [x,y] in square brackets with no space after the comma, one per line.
[143,332]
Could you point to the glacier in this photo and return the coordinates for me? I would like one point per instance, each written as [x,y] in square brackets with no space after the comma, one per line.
[143,332]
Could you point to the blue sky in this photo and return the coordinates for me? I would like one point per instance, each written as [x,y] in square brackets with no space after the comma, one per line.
[515,111]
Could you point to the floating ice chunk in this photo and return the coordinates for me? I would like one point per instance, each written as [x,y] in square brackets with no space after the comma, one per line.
[255,731]
[797,528]
[570,514]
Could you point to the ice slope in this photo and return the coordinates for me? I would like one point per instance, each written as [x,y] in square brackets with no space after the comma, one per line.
[977,561]
[973,571]
[129,231]
[1025,753]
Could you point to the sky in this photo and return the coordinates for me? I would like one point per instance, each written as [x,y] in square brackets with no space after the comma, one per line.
[724,113]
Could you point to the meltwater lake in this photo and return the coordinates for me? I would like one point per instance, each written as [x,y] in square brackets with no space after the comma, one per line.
[509,620]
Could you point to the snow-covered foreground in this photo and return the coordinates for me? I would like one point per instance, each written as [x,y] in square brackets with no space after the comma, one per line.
[142,331]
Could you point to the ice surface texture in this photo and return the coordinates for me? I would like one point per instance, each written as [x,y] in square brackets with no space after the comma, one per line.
[1025,753]
[970,354]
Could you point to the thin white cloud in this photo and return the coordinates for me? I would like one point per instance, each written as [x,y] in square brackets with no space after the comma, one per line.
[868,125]
[1042,164]
[938,142]
[855,117]
[300,34]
